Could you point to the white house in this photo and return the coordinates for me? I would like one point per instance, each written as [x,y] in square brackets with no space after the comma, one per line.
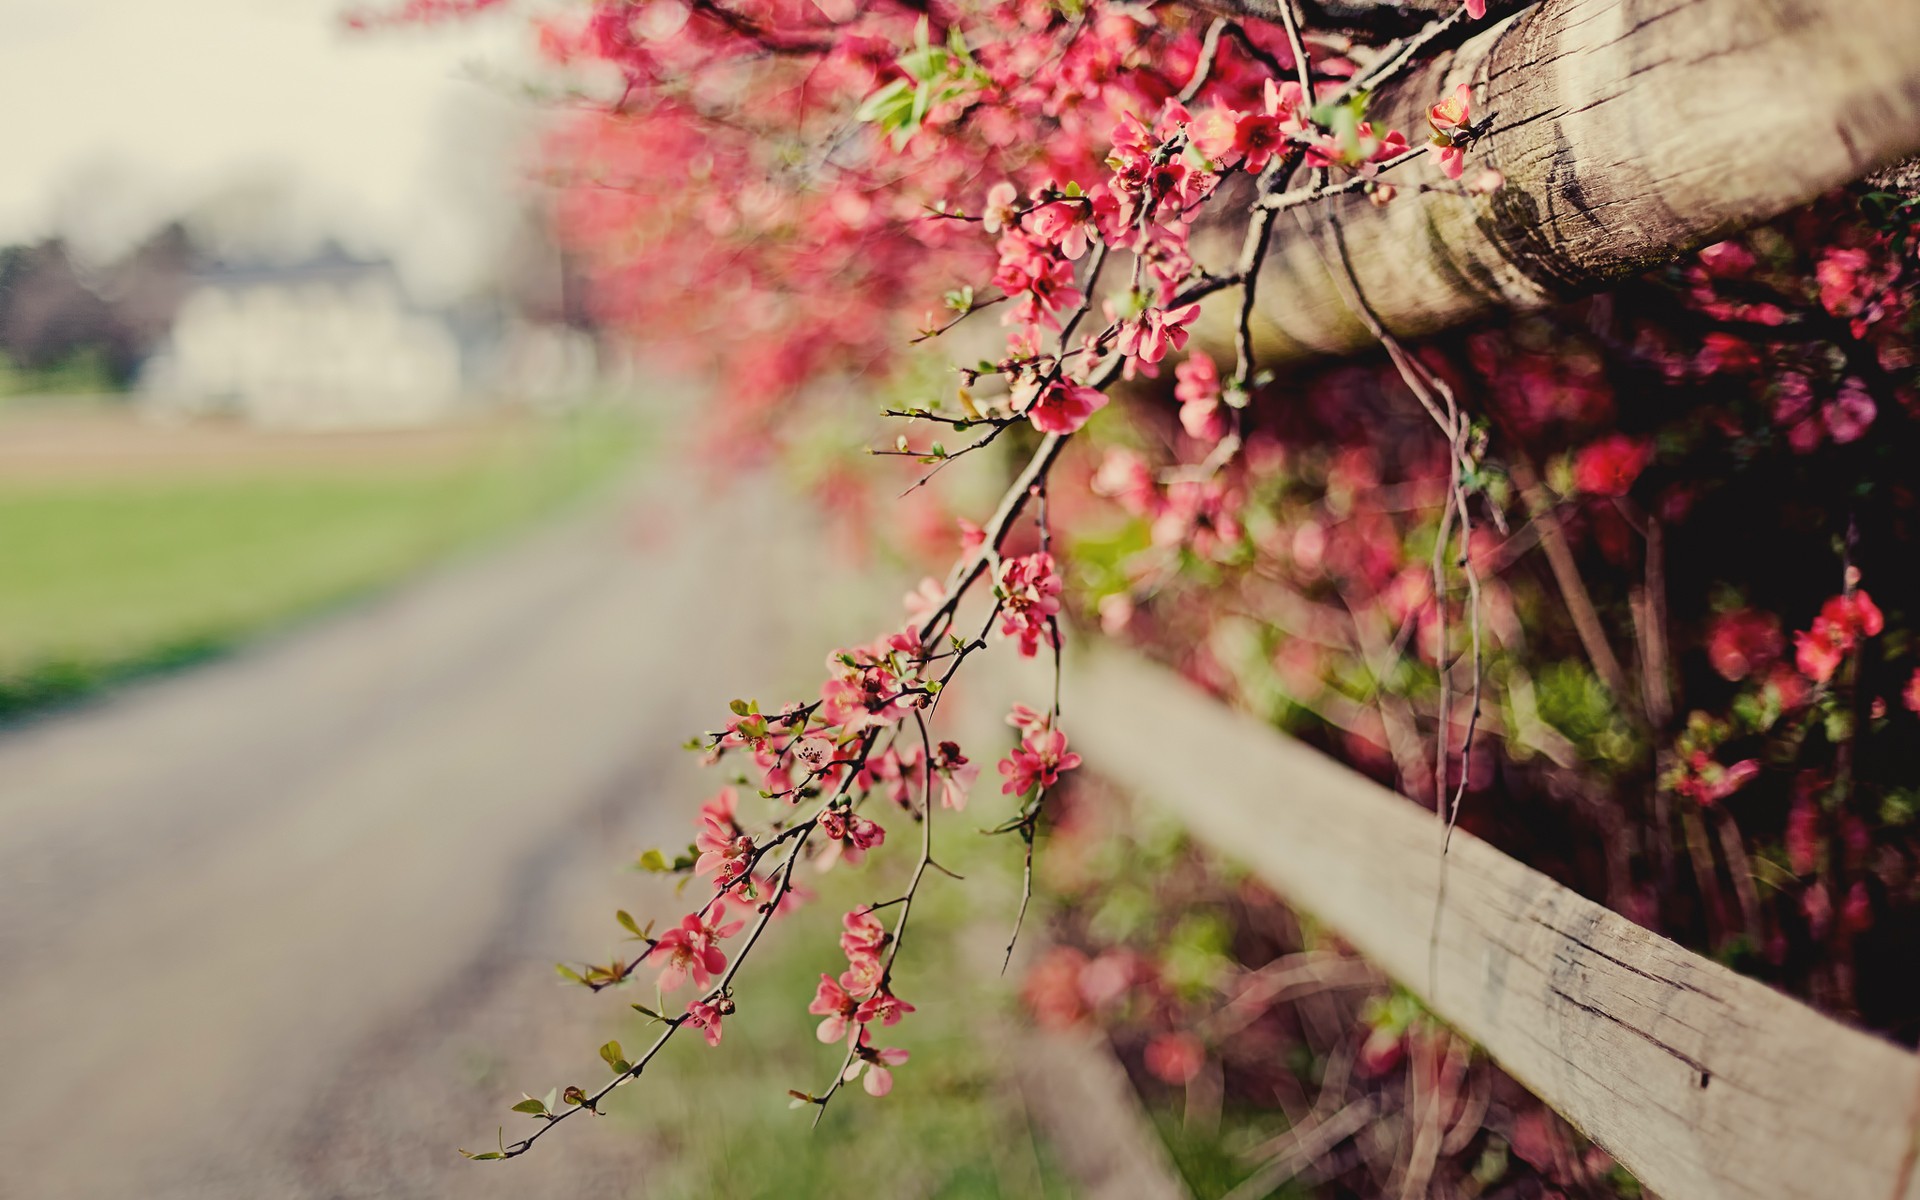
[330,344]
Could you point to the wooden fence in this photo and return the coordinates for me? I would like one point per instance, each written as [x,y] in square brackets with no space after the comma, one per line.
[1704,1083]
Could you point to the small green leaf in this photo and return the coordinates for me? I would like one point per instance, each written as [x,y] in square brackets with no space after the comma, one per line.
[617,1061]
[891,99]
[568,973]
[530,1105]
[653,860]
[626,920]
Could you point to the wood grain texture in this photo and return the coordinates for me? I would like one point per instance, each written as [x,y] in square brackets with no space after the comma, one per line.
[1706,1084]
[1629,131]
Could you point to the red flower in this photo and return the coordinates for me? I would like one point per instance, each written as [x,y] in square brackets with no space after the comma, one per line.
[1609,466]
[1064,407]
[1038,760]
[832,1002]
[706,1017]
[1175,1057]
[1742,642]
[1030,601]
[1843,620]
[1450,119]
[690,950]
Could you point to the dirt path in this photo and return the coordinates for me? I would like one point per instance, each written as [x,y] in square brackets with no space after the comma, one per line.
[283,926]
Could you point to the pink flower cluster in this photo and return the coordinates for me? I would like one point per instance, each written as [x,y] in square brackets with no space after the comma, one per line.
[1030,601]
[691,950]
[1842,622]
[859,998]
[1040,758]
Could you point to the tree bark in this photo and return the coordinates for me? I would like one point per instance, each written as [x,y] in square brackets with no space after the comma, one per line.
[1629,132]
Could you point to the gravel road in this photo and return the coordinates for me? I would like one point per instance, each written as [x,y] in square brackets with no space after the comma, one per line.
[283,926]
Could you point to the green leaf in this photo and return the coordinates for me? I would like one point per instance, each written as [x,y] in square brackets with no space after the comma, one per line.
[922,101]
[568,973]
[626,918]
[611,1053]
[644,1011]
[530,1105]
[738,708]
[893,98]
[653,860]
[484,1155]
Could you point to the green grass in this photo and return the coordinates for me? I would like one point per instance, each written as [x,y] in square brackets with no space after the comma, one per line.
[103,579]
[953,1127]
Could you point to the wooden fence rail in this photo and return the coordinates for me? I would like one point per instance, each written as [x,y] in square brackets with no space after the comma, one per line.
[1704,1083]
[1629,131]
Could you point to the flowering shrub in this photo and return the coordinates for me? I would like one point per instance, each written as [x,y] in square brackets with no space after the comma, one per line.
[766,186]
[810,171]
[1695,597]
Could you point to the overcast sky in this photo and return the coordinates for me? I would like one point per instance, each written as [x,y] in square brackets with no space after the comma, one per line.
[121,113]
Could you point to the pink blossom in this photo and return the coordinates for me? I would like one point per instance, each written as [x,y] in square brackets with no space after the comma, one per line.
[1037,761]
[706,1018]
[862,934]
[1064,224]
[1064,407]
[1002,202]
[1849,413]
[956,775]
[1125,477]
[1198,390]
[1450,119]
[1911,695]
[1843,620]
[1199,515]
[690,950]
[832,1002]
[1149,336]
[1175,1057]
[883,1006]
[1027,721]
[814,753]
[1029,601]
[1476,9]
[1742,642]
[1609,466]
[972,536]
[1040,276]
[874,1061]
[1363,155]
[851,834]
[723,846]
[924,598]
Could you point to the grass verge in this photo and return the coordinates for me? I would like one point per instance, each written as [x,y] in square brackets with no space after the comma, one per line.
[108,575]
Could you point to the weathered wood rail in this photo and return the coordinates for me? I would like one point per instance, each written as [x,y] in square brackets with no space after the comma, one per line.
[1706,1084]
[1629,132]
